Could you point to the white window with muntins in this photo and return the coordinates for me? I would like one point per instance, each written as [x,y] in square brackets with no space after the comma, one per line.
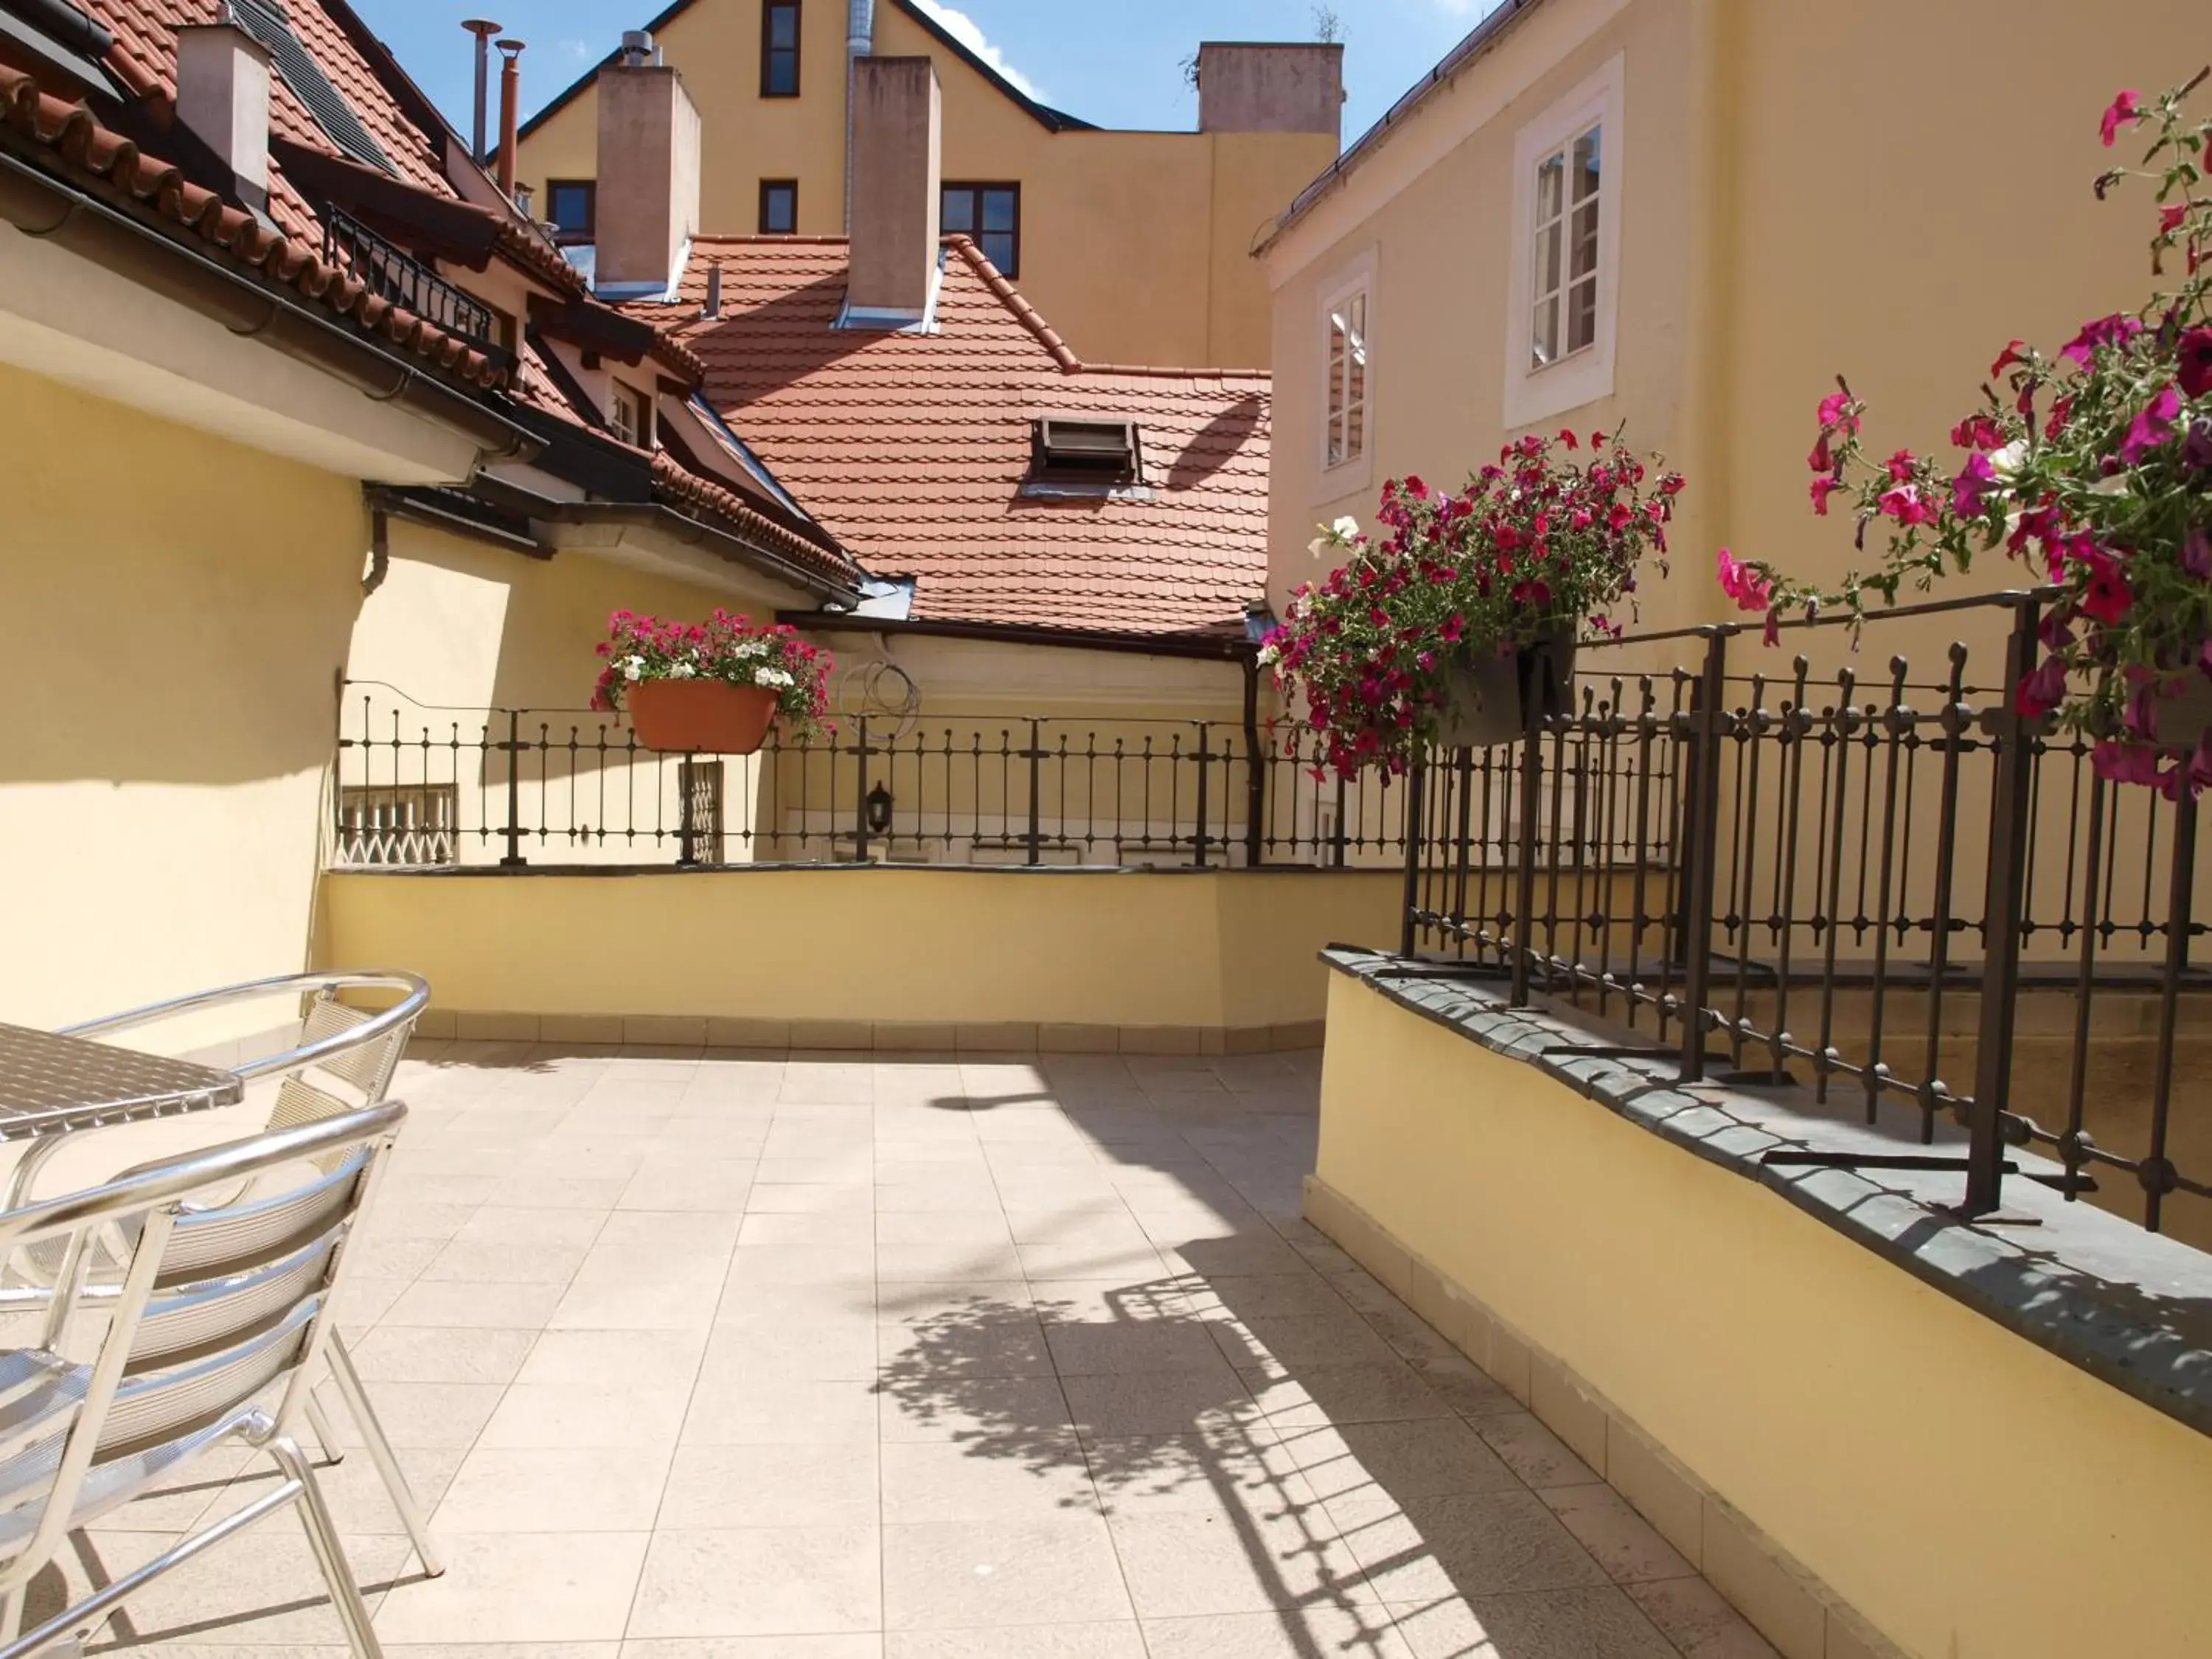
[628,416]
[1346,327]
[1347,378]
[1564,287]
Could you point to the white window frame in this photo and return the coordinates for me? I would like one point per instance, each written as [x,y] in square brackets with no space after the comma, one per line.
[629,415]
[1356,471]
[1537,393]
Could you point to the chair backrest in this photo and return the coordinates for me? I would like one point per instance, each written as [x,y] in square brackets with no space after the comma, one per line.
[217,1306]
[361,1069]
[336,1043]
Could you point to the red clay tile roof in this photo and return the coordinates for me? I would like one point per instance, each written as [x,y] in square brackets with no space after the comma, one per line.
[688,491]
[681,488]
[912,449]
[91,154]
[145,55]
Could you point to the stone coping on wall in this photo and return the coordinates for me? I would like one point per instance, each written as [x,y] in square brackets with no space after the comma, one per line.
[2131,1308]
[860,1035]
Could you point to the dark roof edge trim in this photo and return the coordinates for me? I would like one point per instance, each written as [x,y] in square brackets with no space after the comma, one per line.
[1199,646]
[725,543]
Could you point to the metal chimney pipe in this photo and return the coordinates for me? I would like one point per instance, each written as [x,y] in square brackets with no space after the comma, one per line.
[484,31]
[713,309]
[860,42]
[510,98]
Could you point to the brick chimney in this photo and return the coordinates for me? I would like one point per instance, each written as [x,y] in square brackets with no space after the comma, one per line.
[648,185]
[223,96]
[1265,86]
[897,130]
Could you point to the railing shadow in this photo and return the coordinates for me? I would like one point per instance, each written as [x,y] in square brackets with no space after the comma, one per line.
[1252,1435]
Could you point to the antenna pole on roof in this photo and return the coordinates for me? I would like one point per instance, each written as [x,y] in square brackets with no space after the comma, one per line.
[484,31]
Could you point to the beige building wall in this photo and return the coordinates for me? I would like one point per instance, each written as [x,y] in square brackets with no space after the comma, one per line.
[1428,214]
[459,630]
[1134,246]
[178,608]
[1779,223]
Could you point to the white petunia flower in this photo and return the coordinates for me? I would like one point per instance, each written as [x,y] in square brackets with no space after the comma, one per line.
[633,668]
[682,670]
[1346,527]
[774,677]
[2005,462]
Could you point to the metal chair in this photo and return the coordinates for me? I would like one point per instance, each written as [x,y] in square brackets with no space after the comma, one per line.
[340,1051]
[217,1310]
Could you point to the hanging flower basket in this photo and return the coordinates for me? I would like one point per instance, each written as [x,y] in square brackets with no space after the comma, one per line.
[1485,698]
[701,717]
[712,687]
[1459,618]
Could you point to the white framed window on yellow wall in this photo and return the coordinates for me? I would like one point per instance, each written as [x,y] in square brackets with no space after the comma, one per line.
[1346,326]
[1564,293]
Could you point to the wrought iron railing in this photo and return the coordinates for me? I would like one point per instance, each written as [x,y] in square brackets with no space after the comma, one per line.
[400,277]
[1895,890]
[523,786]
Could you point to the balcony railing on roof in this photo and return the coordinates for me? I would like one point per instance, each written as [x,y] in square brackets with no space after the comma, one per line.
[400,277]
[420,786]
[1899,892]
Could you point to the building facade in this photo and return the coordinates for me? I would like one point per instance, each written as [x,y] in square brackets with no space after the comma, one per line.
[1136,244]
[1738,261]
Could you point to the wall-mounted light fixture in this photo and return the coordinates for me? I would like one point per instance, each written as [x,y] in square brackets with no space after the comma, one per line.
[879,810]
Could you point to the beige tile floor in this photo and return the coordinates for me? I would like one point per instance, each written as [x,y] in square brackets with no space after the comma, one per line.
[712,1357]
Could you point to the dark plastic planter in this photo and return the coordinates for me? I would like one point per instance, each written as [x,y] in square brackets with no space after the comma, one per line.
[1487,696]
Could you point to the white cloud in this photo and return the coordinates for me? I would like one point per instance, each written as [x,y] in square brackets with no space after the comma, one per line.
[963,27]
[579,50]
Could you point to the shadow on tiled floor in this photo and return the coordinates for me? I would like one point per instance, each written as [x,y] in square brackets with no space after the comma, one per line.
[724,1357]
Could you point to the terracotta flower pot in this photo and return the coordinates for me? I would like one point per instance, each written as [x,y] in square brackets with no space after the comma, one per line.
[693,717]
[1486,696]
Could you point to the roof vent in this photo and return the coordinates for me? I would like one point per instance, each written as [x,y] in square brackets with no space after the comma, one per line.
[1086,452]
[636,49]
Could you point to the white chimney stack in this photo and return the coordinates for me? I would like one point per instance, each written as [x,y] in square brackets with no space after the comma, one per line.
[897,134]
[223,96]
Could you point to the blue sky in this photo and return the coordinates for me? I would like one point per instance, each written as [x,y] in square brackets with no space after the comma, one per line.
[1118,64]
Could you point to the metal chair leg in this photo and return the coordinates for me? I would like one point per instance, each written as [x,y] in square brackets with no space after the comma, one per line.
[324,1438]
[380,1454]
[330,1553]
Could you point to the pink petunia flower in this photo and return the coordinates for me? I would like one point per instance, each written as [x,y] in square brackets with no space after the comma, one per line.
[2123,107]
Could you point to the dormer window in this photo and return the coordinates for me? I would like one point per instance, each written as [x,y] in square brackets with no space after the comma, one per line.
[1100,454]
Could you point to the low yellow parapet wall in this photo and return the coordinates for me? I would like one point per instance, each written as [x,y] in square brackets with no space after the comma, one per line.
[1843,1447]
[869,956]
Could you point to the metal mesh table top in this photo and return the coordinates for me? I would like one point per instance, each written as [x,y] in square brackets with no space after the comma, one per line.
[49,1083]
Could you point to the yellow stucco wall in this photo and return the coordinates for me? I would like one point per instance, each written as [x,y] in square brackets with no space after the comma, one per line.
[460,621]
[1841,1405]
[1772,235]
[935,945]
[1135,246]
[178,612]
[1433,209]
